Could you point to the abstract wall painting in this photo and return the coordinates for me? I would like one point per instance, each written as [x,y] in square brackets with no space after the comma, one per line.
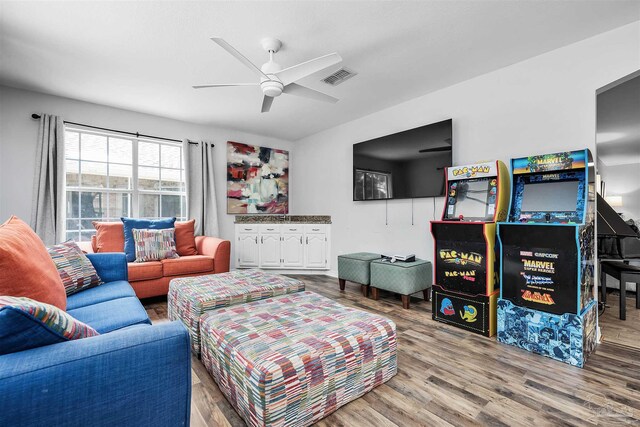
[257,179]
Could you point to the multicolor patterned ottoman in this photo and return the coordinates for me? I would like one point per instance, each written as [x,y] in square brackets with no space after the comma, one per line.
[190,297]
[294,359]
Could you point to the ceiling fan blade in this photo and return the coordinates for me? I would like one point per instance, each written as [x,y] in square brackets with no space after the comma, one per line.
[300,71]
[240,57]
[433,150]
[225,85]
[305,92]
[266,103]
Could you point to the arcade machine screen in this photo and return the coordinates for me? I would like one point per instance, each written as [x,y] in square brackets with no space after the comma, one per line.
[560,196]
[472,200]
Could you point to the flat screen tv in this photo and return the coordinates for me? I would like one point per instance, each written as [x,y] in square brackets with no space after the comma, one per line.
[404,165]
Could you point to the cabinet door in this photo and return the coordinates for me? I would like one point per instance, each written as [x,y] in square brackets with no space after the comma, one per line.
[292,250]
[315,250]
[248,250]
[270,250]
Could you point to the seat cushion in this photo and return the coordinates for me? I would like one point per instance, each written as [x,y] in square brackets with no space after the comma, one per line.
[187,265]
[112,315]
[144,270]
[26,323]
[104,292]
[361,256]
[109,236]
[26,268]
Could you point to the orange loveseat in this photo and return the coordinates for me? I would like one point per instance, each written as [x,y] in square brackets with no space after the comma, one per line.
[150,279]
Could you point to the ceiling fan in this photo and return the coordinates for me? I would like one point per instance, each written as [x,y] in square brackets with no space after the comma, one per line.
[275,80]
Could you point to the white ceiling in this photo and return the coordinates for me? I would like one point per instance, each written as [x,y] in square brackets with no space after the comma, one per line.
[144,56]
[618,133]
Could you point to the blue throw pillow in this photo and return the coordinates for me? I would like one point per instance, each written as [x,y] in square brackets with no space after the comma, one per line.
[141,223]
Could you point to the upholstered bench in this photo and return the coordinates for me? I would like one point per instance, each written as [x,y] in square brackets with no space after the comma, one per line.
[294,359]
[355,268]
[404,278]
[190,297]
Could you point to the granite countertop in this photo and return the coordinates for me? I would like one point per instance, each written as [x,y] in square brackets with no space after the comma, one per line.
[284,219]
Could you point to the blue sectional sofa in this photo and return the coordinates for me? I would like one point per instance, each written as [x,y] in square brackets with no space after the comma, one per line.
[133,374]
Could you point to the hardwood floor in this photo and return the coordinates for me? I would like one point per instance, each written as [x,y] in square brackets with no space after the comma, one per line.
[621,332]
[450,377]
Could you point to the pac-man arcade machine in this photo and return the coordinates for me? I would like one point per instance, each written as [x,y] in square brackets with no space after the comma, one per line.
[547,303]
[466,270]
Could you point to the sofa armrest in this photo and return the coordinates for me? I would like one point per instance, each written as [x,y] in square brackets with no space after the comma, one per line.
[136,376]
[219,249]
[110,266]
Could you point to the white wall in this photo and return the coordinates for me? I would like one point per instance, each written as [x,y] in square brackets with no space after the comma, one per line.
[18,132]
[624,180]
[544,104]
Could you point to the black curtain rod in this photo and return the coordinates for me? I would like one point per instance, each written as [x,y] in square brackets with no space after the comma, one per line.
[136,134]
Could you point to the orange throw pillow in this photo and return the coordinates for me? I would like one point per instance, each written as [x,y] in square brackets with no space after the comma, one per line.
[26,268]
[186,238]
[109,236]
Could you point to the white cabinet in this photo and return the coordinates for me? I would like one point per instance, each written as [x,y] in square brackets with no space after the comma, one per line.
[292,247]
[283,246]
[270,250]
[315,251]
[248,249]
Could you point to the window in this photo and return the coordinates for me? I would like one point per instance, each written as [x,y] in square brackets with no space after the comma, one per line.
[110,176]
[370,185]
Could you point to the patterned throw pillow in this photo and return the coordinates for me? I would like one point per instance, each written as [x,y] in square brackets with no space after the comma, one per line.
[26,323]
[154,245]
[75,269]
[141,223]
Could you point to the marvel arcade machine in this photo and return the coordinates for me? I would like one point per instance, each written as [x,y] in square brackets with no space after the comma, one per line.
[466,282]
[547,302]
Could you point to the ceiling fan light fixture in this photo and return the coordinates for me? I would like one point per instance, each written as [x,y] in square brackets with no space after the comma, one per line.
[271,88]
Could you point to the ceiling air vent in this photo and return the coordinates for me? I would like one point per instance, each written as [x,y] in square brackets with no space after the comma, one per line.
[339,76]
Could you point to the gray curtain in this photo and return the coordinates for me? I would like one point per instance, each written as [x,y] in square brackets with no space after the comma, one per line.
[201,192]
[48,212]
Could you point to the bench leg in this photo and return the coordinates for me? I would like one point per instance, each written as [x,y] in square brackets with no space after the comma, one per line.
[426,294]
[374,293]
[603,285]
[623,297]
[637,293]
[342,283]
[405,301]
[365,290]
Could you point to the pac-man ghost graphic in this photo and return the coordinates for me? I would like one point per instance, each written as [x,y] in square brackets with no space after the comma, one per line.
[446,307]
[469,314]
